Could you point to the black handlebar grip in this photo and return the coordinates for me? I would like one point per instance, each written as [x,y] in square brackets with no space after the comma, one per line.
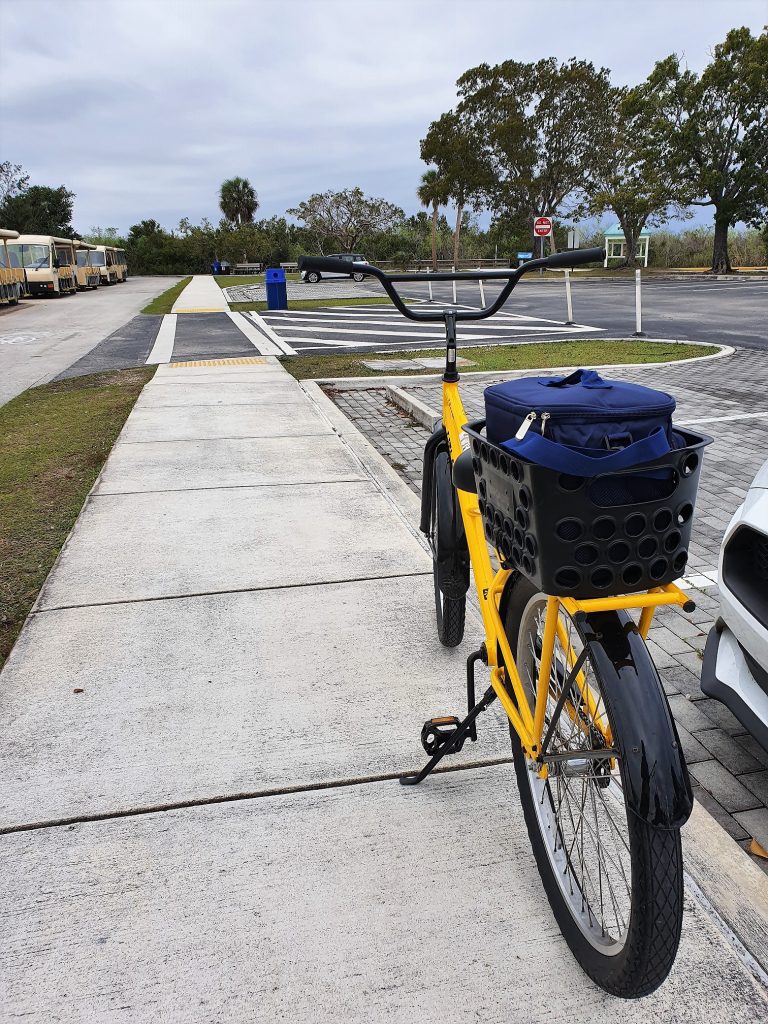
[328,265]
[575,257]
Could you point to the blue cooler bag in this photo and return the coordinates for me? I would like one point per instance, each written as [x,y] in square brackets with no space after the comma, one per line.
[582,424]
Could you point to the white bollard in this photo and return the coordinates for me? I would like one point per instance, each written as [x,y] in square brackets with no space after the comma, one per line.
[430,291]
[482,295]
[569,322]
[453,271]
[639,333]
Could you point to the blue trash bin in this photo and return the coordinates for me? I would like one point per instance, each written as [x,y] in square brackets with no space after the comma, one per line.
[277,291]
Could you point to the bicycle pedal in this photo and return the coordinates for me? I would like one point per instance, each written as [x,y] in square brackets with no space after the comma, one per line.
[436,732]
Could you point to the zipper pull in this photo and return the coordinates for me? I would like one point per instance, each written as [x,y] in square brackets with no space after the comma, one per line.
[544,418]
[525,426]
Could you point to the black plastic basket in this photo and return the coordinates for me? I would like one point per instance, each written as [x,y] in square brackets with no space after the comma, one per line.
[574,536]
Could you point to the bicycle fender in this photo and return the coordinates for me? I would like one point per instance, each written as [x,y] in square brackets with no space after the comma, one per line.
[658,787]
[452,551]
[437,440]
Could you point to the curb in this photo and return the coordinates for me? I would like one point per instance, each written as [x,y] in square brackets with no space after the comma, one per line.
[415,408]
[428,418]
[724,352]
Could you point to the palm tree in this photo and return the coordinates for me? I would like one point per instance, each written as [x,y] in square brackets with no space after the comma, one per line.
[238,200]
[432,192]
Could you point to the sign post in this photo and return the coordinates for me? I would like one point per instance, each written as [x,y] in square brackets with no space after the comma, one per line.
[542,228]
[639,332]
[570,321]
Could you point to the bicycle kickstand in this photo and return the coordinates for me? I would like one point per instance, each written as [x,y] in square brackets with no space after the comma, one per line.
[441,736]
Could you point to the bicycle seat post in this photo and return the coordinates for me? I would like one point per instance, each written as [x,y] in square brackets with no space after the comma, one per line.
[451,374]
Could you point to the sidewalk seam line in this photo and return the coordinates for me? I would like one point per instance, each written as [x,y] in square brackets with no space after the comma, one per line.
[237,590]
[298,788]
[233,487]
[236,437]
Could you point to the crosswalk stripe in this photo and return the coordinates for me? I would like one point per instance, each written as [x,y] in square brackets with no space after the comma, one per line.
[259,342]
[162,350]
[330,343]
[290,323]
[347,326]
[282,345]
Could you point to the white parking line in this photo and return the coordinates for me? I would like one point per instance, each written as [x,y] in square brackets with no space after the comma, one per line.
[262,345]
[162,350]
[727,419]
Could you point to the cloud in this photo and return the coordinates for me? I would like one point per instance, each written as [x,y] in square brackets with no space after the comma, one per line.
[143,108]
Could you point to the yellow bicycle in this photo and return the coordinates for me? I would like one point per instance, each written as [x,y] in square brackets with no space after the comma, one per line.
[600,770]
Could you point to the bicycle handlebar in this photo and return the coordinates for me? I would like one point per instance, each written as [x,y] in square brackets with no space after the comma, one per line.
[558,260]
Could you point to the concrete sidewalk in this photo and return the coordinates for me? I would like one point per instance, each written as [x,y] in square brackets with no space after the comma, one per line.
[202,295]
[202,722]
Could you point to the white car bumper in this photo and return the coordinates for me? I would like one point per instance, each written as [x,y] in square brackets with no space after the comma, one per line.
[727,676]
[735,669]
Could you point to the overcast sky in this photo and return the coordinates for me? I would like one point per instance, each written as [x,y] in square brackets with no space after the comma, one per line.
[142,109]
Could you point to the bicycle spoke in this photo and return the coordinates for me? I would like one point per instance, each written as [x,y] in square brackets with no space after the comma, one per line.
[580,802]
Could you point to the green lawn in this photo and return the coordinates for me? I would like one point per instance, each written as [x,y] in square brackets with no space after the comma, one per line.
[55,441]
[164,303]
[503,357]
[376,300]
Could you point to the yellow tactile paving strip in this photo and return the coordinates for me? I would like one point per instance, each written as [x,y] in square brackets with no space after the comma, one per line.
[246,361]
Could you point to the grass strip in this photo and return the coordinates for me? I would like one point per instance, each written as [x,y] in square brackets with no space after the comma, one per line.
[373,300]
[55,441]
[598,352]
[164,303]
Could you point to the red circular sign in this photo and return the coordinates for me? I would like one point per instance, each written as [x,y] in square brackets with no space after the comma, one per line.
[542,226]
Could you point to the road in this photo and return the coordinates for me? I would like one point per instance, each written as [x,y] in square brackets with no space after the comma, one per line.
[42,337]
[721,312]
[100,331]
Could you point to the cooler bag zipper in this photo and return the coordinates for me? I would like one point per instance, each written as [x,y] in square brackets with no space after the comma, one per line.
[579,415]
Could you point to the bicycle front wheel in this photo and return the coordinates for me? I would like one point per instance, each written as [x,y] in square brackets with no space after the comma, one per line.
[450,575]
[615,883]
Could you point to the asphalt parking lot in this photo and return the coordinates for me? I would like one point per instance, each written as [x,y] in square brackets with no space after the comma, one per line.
[41,338]
[720,312]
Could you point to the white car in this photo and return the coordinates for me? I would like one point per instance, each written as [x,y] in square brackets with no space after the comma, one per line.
[735,669]
[312,276]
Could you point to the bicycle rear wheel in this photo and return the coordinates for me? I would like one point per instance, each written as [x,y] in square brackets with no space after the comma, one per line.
[615,884]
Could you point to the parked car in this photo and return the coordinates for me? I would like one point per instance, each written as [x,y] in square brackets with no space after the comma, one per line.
[312,276]
[735,669]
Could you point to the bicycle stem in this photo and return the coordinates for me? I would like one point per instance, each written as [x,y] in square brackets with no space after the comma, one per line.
[451,374]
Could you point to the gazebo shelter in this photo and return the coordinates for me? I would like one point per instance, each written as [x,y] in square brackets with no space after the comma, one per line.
[616,246]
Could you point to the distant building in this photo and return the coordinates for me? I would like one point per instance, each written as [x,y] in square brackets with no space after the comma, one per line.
[616,246]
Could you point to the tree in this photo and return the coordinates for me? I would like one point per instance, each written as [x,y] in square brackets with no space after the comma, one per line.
[432,192]
[452,148]
[13,181]
[343,218]
[145,228]
[537,128]
[238,201]
[629,178]
[712,132]
[103,236]
[40,211]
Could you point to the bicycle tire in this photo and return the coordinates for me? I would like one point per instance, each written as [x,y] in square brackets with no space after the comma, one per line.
[450,607]
[642,960]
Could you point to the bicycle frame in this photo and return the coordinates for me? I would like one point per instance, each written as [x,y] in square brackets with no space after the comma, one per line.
[527,721]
